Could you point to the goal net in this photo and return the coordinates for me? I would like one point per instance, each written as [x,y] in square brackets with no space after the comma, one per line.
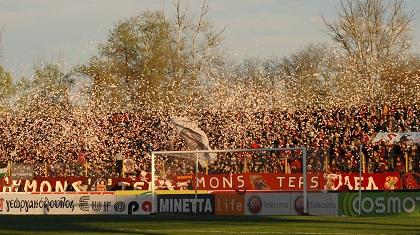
[273,181]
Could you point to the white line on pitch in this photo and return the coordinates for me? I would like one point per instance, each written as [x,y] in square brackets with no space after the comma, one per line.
[230,232]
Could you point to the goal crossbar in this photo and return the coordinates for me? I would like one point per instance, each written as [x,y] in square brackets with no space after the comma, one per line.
[228,150]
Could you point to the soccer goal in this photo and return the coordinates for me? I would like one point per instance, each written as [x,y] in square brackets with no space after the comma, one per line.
[230,182]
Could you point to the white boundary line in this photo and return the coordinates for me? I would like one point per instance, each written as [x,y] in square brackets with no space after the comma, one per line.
[190,231]
[232,232]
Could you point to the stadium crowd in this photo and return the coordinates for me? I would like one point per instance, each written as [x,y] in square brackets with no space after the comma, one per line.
[63,144]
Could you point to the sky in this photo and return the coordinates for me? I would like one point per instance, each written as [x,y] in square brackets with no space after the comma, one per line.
[47,31]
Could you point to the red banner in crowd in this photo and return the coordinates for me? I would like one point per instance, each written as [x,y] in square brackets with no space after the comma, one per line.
[244,181]
[62,184]
[255,181]
[411,181]
[294,182]
[370,181]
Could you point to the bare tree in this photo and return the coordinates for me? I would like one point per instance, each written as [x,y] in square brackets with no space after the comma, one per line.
[151,59]
[1,34]
[195,38]
[371,31]
[6,83]
[305,74]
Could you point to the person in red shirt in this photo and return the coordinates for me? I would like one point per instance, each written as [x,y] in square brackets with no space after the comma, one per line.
[383,166]
[296,166]
[310,166]
[255,144]
[334,168]
[399,165]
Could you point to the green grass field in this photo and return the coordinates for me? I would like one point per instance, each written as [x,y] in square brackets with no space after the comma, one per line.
[207,225]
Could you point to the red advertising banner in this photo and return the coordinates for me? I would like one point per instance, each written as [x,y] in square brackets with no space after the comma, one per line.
[369,181]
[262,181]
[240,182]
[66,184]
[294,182]
[411,181]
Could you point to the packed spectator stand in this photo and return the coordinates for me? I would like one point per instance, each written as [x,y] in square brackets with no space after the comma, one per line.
[84,143]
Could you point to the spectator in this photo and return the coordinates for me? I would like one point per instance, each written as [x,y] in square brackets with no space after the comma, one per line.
[62,143]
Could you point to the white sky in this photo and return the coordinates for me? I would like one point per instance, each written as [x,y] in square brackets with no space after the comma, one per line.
[46,30]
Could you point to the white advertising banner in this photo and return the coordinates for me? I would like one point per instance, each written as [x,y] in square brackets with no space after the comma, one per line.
[394,137]
[264,203]
[133,204]
[267,204]
[38,204]
[317,203]
[74,204]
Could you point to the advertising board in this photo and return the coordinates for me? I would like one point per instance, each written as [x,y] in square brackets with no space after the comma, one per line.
[380,204]
[108,203]
[242,181]
[72,183]
[133,205]
[258,181]
[318,203]
[74,204]
[186,204]
[267,204]
[294,182]
[411,181]
[229,204]
[368,181]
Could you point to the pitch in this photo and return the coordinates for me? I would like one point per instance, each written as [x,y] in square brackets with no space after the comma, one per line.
[158,225]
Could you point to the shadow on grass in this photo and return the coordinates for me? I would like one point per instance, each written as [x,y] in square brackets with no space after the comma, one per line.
[149,225]
[70,224]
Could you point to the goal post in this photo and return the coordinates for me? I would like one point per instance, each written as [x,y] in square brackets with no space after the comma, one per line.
[167,165]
